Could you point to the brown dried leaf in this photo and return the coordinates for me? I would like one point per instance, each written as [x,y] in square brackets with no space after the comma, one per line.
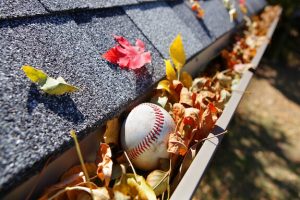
[186,97]
[176,144]
[191,117]
[186,162]
[178,112]
[70,178]
[207,122]
[200,83]
[111,135]
[105,163]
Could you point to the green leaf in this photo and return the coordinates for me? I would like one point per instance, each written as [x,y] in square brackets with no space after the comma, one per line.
[170,71]
[177,53]
[35,75]
[57,86]
[158,180]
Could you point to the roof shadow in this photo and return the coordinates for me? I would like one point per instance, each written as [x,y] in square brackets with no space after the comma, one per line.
[63,105]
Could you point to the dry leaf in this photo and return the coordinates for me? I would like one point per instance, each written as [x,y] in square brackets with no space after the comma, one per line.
[49,85]
[178,112]
[136,189]
[159,181]
[105,163]
[186,97]
[186,79]
[111,135]
[191,117]
[80,192]
[71,177]
[126,55]
[176,144]
[163,85]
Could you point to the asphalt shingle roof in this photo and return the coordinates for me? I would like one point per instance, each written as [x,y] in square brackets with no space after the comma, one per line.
[66,38]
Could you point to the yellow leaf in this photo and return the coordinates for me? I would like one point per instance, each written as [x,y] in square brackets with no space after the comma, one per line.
[186,79]
[170,71]
[136,189]
[158,180]
[163,85]
[111,134]
[35,75]
[177,53]
[57,86]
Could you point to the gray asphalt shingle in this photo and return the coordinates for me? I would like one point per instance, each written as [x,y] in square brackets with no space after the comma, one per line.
[58,5]
[196,25]
[20,8]
[216,18]
[147,16]
[34,125]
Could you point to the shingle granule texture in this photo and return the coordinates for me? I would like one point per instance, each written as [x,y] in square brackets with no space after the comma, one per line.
[58,5]
[20,8]
[189,18]
[160,24]
[33,125]
[216,18]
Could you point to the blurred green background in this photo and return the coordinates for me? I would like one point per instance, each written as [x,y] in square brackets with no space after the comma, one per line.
[259,158]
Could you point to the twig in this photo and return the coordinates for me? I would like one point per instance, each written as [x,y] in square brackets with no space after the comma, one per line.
[131,166]
[207,138]
[73,135]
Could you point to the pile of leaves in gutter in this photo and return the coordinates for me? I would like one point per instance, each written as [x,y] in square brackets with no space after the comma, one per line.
[194,104]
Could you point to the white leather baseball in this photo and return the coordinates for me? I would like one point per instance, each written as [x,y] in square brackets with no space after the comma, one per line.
[145,133]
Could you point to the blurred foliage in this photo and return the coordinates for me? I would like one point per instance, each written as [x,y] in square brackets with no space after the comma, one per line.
[285,43]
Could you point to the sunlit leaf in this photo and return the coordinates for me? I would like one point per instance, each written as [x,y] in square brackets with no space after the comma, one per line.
[99,193]
[35,75]
[126,55]
[186,97]
[49,85]
[186,79]
[105,163]
[163,85]
[111,135]
[136,189]
[177,145]
[170,71]
[158,180]
[177,53]
[162,101]
[57,86]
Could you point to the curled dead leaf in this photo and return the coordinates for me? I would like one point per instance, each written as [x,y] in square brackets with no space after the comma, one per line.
[105,163]
[178,112]
[159,181]
[177,145]
[135,187]
[186,97]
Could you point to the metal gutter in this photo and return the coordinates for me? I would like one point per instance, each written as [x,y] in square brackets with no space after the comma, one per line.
[190,181]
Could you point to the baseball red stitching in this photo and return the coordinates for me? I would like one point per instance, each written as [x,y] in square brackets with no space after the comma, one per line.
[152,136]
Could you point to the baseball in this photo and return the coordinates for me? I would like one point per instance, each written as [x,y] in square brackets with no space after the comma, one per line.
[145,133]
